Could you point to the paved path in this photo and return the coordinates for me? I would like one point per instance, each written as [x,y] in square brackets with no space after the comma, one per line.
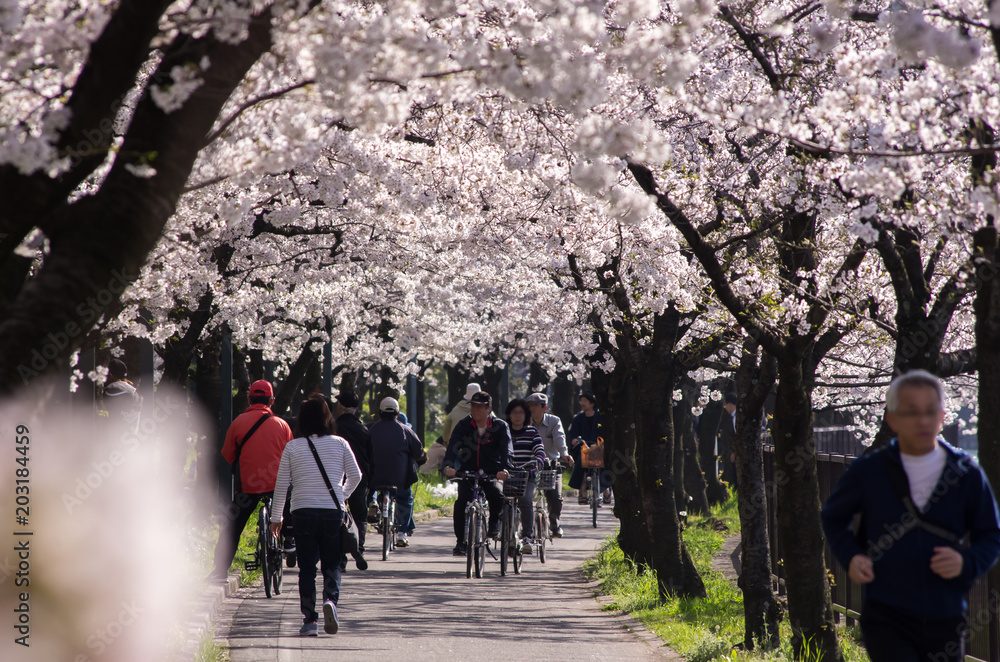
[420,606]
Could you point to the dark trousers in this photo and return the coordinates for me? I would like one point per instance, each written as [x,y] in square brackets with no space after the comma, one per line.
[493,496]
[317,539]
[555,501]
[892,636]
[234,521]
[357,503]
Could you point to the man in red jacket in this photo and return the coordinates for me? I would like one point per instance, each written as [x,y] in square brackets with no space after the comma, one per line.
[254,443]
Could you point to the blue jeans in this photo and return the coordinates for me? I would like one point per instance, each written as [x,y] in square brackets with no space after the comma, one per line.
[317,539]
[892,636]
[404,509]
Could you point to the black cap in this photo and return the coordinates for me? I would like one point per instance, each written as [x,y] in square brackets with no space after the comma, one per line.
[481,398]
[590,396]
[349,400]
[730,399]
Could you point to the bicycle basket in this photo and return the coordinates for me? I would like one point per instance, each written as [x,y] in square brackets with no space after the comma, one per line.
[515,484]
[593,456]
[548,479]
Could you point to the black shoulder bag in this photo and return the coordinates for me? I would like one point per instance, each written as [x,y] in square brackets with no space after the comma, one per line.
[348,536]
[238,483]
[901,486]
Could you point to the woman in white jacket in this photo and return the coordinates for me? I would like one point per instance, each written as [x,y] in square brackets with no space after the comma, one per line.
[317,516]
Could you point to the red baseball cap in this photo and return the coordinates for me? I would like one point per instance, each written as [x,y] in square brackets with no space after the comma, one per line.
[262,387]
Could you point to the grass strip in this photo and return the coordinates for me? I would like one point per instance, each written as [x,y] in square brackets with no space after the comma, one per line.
[699,629]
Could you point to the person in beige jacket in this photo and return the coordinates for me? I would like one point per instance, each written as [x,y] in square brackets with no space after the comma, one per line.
[461,410]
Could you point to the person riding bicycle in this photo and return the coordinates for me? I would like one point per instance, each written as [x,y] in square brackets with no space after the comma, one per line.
[550,428]
[480,441]
[529,455]
[258,437]
[585,429]
[397,453]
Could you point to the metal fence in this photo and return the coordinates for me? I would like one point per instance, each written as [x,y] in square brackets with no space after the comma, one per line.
[984,599]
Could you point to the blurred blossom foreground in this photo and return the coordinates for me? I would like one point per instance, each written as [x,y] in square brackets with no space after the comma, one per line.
[110,563]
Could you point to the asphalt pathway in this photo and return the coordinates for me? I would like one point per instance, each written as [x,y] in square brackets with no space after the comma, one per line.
[419,605]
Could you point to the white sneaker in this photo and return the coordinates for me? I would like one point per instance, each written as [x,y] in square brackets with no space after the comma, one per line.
[401,540]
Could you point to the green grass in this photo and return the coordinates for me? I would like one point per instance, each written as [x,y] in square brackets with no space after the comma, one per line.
[246,550]
[210,651]
[424,500]
[700,629]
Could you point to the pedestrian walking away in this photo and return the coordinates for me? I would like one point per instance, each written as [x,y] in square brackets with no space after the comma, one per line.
[315,456]
[550,428]
[398,452]
[928,528]
[254,444]
[480,441]
[349,426]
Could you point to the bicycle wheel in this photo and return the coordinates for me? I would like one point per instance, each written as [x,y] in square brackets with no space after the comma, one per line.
[595,495]
[386,530]
[505,536]
[470,540]
[263,556]
[517,538]
[276,568]
[480,556]
[541,534]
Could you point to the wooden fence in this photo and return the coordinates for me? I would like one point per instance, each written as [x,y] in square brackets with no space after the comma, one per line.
[984,599]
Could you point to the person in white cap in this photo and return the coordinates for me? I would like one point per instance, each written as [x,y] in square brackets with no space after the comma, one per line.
[554,439]
[461,410]
[396,448]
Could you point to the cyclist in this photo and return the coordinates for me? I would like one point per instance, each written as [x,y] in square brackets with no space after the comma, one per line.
[554,439]
[479,441]
[529,454]
[258,437]
[396,447]
[586,428]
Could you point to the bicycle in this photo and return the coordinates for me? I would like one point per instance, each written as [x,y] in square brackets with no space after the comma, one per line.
[268,554]
[548,479]
[514,487]
[476,514]
[592,458]
[386,500]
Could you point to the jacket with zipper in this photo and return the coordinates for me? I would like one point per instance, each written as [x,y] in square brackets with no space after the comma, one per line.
[492,452]
[962,502]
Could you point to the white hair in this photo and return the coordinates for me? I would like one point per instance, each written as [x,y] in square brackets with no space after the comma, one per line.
[912,378]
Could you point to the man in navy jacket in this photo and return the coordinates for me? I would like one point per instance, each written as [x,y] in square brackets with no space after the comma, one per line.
[928,529]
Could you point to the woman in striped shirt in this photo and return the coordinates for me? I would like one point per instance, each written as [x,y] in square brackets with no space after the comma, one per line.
[316,516]
[529,453]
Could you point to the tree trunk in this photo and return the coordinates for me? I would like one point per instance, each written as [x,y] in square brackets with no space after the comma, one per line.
[563,402]
[809,608]
[694,478]
[619,450]
[708,429]
[285,393]
[538,378]
[652,377]
[760,607]
[987,329]
[458,379]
